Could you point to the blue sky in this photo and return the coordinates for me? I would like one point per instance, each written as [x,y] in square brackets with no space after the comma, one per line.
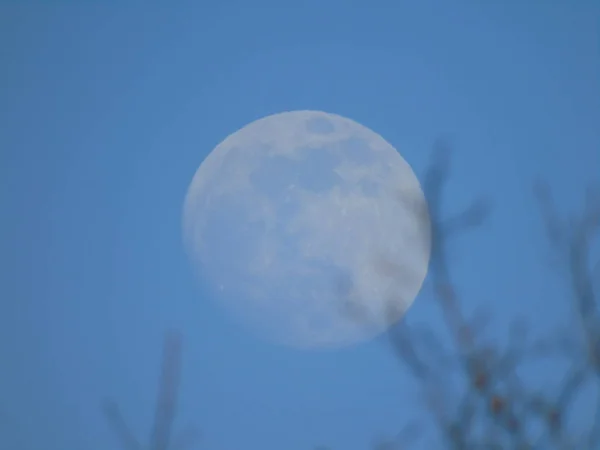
[107,111]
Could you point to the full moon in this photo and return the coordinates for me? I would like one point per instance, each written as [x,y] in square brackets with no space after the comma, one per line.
[309,228]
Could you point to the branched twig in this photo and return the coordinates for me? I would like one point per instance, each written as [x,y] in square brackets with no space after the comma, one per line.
[160,438]
[116,421]
[167,396]
[496,408]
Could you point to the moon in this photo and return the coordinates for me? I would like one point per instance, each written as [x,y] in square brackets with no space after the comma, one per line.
[309,228]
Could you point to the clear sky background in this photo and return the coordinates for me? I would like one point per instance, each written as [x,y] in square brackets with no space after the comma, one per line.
[106,112]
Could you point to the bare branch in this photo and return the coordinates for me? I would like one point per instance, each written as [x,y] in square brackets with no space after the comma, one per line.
[167,396]
[160,438]
[495,407]
[122,431]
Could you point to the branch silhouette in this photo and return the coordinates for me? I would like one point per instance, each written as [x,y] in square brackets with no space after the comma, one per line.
[496,409]
[164,416]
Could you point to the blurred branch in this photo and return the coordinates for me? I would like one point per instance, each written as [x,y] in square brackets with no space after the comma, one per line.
[575,242]
[115,420]
[160,438]
[496,409]
[167,396]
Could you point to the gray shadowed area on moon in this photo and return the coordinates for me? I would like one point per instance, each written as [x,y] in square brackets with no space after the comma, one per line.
[315,171]
[319,125]
[279,176]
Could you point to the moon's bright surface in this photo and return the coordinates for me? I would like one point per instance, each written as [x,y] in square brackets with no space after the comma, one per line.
[301,219]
